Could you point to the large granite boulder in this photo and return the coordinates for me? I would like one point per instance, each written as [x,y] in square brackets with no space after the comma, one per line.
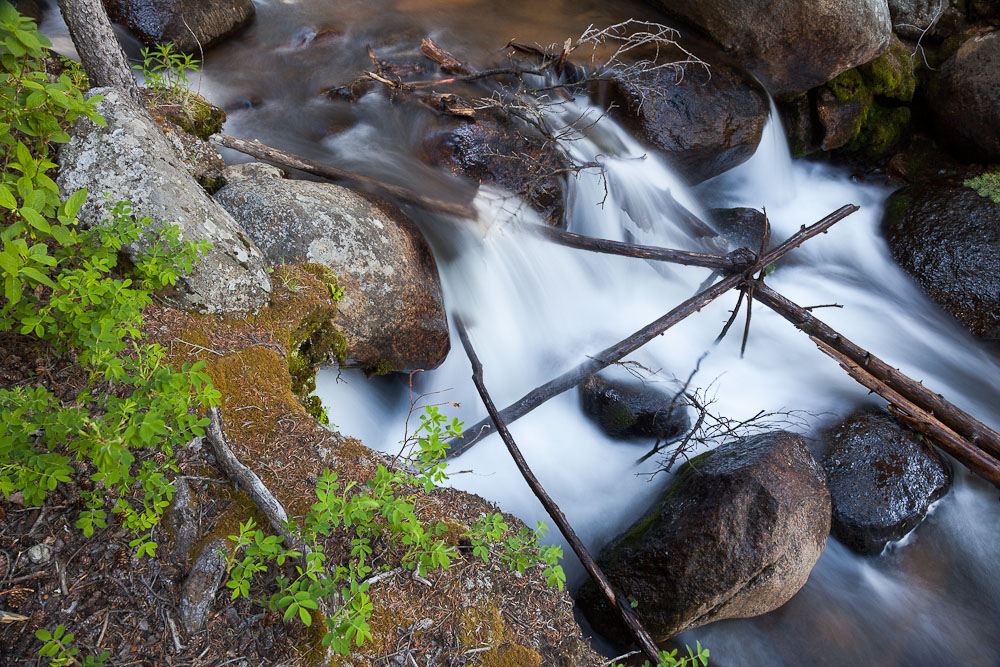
[634,409]
[882,478]
[965,98]
[190,25]
[706,120]
[130,159]
[947,237]
[392,315]
[791,45]
[736,537]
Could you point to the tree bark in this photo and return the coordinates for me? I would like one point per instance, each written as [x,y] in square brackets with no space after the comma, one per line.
[628,616]
[616,352]
[95,41]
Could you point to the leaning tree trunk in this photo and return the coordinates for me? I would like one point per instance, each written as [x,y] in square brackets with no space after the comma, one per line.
[100,52]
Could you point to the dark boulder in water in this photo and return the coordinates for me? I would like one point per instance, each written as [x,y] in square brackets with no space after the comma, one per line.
[882,478]
[633,410]
[190,25]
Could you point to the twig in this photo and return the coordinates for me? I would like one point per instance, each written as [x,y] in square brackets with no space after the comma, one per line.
[618,602]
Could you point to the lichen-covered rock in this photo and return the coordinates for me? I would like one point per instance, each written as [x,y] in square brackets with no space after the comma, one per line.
[706,120]
[947,237]
[201,584]
[496,151]
[882,479]
[633,410]
[736,537]
[247,170]
[132,160]
[392,315]
[187,24]
[791,45]
[201,158]
[965,98]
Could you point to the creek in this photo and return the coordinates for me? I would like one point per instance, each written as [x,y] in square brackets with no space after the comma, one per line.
[536,309]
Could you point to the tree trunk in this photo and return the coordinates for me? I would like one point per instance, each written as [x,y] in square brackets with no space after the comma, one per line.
[95,41]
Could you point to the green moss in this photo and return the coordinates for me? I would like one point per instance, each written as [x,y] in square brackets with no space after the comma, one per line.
[895,208]
[848,87]
[986,185]
[619,417]
[891,74]
[382,367]
[883,129]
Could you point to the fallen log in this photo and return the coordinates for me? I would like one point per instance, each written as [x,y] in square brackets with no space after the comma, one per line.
[736,261]
[618,351]
[956,419]
[918,419]
[628,616]
[292,161]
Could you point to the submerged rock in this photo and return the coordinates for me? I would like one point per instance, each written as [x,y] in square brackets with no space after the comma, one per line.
[965,98]
[947,237]
[735,537]
[791,45]
[392,315]
[742,227]
[190,25]
[707,120]
[882,478]
[132,160]
[633,410]
[495,151]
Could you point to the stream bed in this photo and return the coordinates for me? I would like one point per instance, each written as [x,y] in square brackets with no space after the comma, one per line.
[536,310]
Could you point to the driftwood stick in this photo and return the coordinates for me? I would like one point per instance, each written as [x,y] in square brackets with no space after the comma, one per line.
[625,611]
[918,419]
[247,480]
[11,617]
[734,262]
[285,159]
[618,351]
[956,419]
[448,62]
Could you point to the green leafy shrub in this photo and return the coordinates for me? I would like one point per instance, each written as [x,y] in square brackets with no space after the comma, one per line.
[63,287]
[166,71]
[986,185]
[383,510]
[60,651]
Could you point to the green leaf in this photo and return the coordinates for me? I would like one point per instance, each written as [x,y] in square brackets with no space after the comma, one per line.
[37,276]
[35,219]
[7,199]
[75,201]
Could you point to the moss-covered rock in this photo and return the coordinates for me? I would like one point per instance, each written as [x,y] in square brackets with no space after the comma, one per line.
[190,111]
[891,74]
[882,131]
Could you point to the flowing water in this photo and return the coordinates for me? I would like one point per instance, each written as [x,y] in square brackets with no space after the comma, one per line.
[536,310]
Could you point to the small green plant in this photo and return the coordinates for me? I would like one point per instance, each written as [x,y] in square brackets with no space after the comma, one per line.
[58,648]
[166,71]
[986,185]
[698,656]
[382,510]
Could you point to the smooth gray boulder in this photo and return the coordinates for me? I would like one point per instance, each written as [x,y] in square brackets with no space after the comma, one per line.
[132,160]
[190,25]
[735,537]
[792,45]
[965,98]
[392,315]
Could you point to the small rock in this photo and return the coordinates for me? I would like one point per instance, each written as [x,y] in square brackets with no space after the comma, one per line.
[248,170]
[882,479]
[633,410]
[742,227]
[201,584]
[40,554]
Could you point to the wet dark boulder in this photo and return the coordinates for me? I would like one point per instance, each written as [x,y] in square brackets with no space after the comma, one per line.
[882,478]
[493,150]
[791,45]
[735,537]
[965,98]
[633,410]
[392,315]
[927,19]
[190,25]
[947,237]
[742,227]
[33,8]
[706,120]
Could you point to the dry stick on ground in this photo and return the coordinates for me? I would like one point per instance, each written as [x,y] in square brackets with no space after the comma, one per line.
[954,418]
[625,611]
[918,419]
[618,351]
[285,159]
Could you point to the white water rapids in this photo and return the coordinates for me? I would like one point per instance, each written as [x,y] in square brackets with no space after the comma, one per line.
[536,309]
